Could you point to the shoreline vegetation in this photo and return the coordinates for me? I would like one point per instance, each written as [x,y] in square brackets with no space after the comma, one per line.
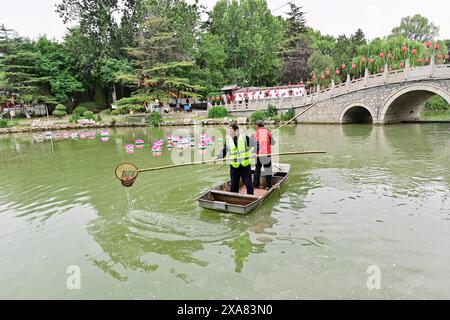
[141,120]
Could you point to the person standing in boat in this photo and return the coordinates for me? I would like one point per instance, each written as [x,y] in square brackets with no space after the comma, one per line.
[238,147]
[263,141]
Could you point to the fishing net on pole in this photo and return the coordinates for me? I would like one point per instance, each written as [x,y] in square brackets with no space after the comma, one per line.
[127,174]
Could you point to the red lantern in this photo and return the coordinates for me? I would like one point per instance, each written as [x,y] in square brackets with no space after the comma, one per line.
[414,52]
[363,60]
[402,65]
[447,57]
[404,49]
[427,60]
[436,46]
[390,56]
[327,72]
[343,66]
[353,66]
[419,60]
[308,83]
[381,55]
[371,60]
[440,56]
[428,44]
[337,72]
[322,77]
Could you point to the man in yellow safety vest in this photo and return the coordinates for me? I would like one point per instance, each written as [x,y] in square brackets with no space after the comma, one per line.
[238,147]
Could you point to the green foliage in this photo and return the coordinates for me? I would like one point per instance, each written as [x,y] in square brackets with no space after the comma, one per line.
[217,112]
[416,28]
[258,115]
[271,111]
[288,115]
[4,123]
[79,111]
[252,38]
[136,99]
[88,115]
[57,64]
[436,103]
[115,112]
[74,118]
[125,109]
[61,107]
[91,106]
[158,49]
[155,119]
[393,45]
[59,113]
[98,118]
[113,121]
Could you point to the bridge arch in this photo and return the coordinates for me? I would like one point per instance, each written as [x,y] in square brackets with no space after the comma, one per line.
[406,104]
[357,113]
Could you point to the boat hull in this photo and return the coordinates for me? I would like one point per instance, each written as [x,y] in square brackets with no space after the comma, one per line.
[221,199]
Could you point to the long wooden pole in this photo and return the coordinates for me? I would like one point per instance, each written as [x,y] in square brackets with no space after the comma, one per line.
[303,112]
[213,161]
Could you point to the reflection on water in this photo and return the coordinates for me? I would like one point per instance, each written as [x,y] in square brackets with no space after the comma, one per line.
[379,196]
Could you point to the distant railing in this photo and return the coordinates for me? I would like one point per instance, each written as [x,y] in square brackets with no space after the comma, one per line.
[368,81]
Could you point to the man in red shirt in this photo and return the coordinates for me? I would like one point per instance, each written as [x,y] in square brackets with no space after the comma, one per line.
[263,140]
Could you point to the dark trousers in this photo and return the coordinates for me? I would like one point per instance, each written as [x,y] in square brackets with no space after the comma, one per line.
[241,172]
[267,165]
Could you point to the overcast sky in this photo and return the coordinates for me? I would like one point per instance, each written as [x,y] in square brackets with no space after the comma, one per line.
[32,18]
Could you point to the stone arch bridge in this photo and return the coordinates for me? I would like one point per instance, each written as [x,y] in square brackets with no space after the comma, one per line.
[389,97]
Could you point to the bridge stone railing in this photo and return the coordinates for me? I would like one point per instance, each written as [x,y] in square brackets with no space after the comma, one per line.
[387,77]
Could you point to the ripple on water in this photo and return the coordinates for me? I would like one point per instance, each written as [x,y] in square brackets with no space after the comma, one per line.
[165,226]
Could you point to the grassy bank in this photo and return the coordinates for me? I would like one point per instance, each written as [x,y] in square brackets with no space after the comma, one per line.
[435,116]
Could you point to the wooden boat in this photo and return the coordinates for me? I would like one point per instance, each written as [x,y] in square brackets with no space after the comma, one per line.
[221,199]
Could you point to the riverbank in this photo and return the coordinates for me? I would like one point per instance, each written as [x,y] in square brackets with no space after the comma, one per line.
[120,121]
[137,120]
[443,116]
[140,120]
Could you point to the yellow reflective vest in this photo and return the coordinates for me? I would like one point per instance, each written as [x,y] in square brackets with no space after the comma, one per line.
[240,155]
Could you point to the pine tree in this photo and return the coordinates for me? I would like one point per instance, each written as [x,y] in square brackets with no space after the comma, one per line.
[297,47]
[20,74]
[159,59]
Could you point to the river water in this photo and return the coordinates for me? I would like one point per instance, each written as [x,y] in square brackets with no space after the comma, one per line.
[378,200]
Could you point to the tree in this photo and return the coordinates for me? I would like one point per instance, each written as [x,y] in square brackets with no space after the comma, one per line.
[298,46]
[160,59]
[58,65]
[296,21]
[210,60]
[347,47]
[296,64]
[252,38]
[20,73]
[318,63]
[98,36]
[417,28]
[325,43]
